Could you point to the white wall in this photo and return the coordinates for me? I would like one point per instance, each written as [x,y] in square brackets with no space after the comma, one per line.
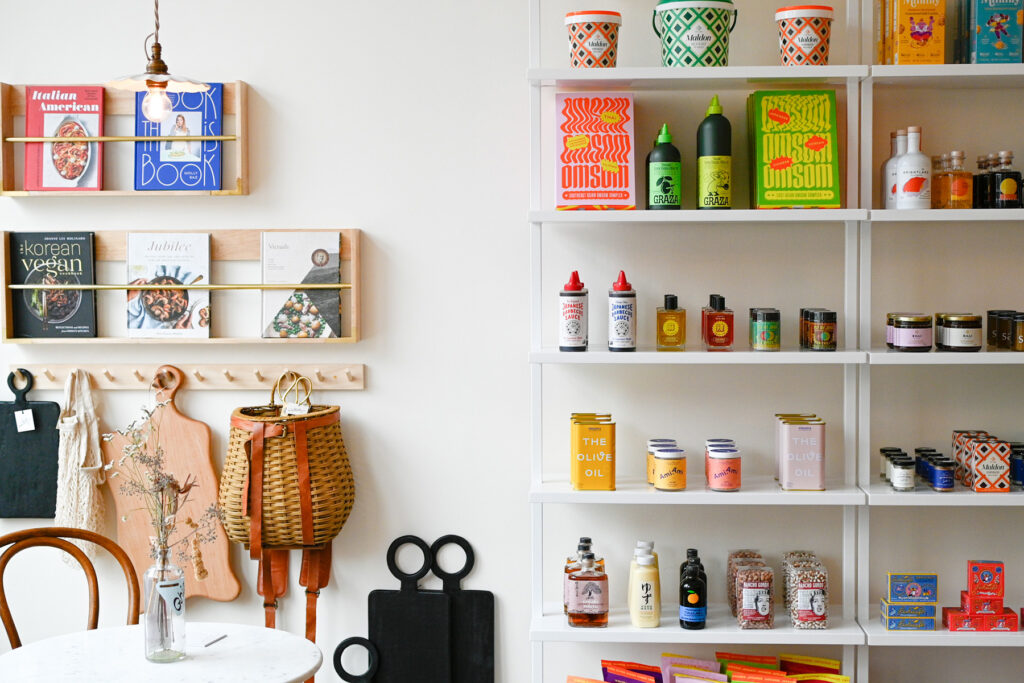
[427,105]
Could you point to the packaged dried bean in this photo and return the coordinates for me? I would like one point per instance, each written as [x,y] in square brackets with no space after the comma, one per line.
[809,605]
[735,557]
[754,597]
[788,569]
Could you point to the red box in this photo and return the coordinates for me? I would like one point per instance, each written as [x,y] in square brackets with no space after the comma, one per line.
[985,579]
[1006,621]
[956,619]
[979,604]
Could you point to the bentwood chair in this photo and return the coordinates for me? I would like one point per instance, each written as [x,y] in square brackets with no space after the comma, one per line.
[54,537]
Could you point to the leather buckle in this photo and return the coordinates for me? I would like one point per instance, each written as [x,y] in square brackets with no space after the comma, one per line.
[316,592]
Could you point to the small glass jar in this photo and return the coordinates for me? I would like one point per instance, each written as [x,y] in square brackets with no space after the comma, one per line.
[670,469]
[1018,332]
[765,326]
[885,453]
[939,336]
[943,470]
[805,326]
[912,332]
[724,469]
[653,445]
[1007,329]
[962,332]
[902,474]
[822,330]
[992,338]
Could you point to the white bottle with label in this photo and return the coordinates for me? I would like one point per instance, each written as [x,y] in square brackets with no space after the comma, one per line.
[645,594]
[889,178]
[913,175]
[622,315]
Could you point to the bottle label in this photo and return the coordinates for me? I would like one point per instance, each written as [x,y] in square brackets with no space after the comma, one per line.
[588,597]
[693,614]
[666,183]
[811,603]
[714,182]
[891,182]
[957,336]
[622,322]
[173,593]
[572,327]
[914,188]
[960,189]
[756,601]
[670,328]
[912,336]
[644,598]
[1008,190]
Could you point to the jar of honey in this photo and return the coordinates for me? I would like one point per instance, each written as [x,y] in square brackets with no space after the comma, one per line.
[912,332]
[961,332]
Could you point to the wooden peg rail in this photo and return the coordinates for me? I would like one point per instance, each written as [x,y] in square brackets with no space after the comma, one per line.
[206,377]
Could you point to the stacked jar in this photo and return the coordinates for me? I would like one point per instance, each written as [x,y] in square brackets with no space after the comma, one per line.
[818,329]
[765,333]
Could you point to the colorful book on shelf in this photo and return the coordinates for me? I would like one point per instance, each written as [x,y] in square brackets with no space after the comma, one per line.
[794,150]
[52,258]
[63,111]
[168,259]
[594,151]
[312,257]
[181,164]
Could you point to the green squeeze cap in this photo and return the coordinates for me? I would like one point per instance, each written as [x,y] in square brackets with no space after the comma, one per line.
[714,107]
[664,136]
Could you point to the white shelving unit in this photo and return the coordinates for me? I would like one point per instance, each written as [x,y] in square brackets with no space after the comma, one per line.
[548,624]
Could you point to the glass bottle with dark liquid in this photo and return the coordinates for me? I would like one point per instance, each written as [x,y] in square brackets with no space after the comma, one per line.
[1005,183]
[980,178]
[693,598]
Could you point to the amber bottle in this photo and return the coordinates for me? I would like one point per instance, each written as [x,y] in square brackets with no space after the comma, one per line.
[588,596]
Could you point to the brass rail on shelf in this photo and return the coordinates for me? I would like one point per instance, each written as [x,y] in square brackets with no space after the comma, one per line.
[132,138]
[209,288]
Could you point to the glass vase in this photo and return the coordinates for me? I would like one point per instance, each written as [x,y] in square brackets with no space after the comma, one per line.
[164,590]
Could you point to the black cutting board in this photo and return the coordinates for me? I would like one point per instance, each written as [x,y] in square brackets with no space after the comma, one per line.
[472,624]
[410,627]
[28,460]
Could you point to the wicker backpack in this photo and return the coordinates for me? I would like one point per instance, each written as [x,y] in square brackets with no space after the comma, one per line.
[287,484]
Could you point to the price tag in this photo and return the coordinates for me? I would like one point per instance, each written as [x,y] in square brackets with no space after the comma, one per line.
[24,420]
[295,408]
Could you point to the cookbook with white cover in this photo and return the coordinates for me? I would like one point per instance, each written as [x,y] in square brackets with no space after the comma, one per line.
[296,258]
[168,259]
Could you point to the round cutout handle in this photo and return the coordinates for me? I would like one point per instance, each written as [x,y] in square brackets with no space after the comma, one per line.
[371,655]
[451,581]
[167,381]
[409,580]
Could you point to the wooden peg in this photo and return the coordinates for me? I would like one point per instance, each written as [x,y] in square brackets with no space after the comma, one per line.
[320,376]
[198,375]
[259,375]
[49,375]
[138,375]
[106,373]
[227,375]
[349,376]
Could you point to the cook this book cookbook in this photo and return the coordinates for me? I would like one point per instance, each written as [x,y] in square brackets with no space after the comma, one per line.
[52,258]
[181,164]
[168,259]
[301,258]
[63,111]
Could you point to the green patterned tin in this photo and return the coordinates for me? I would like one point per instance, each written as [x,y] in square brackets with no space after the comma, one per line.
[694,32]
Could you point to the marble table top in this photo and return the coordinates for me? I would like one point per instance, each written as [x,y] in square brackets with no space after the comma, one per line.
[110,655]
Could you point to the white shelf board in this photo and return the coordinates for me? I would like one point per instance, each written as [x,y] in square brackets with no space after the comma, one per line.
[697,78]
[755,491]
[946,215]
[885,356]
[940,638]
[648,356]
[949,75]
[880,494]
[721,628]
[694,216]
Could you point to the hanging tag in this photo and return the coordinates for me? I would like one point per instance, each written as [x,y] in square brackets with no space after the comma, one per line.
[295,409]
[24,420]
[173,593]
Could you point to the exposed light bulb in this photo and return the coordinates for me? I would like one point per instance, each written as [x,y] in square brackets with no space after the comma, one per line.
[156,105]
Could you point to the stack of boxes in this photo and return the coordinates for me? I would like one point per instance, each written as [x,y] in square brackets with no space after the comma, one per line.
[981,605]
[911,602]
[592,453]
[982,461]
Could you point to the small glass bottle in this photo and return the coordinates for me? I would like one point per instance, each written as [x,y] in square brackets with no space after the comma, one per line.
[940,181]
[588,596]
[1018,332]
[671,325]
[914,187]
[164,591]
[719,328]
[704,317]
[988,188]
[961,183]
[980,178]
[1006,184]
[693,599]
[572,565]
[1006,329]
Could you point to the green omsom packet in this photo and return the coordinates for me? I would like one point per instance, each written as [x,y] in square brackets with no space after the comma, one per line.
[794,150]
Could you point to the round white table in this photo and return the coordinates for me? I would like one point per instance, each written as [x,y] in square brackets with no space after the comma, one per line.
[248,653]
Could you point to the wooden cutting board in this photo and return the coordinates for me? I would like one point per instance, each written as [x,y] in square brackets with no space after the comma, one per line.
[187,452]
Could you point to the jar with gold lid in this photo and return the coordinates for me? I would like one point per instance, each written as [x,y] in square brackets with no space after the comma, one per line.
[912,332]
[962,332]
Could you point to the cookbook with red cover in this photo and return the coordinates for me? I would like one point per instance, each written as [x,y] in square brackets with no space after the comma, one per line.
[67,111]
